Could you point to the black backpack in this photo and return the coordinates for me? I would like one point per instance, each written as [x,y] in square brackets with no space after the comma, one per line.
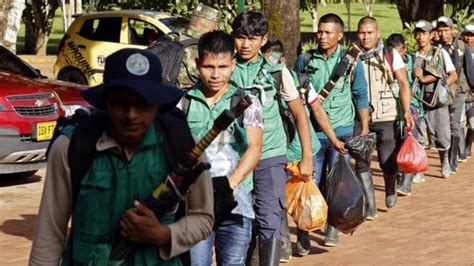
[171,125]
[170,51]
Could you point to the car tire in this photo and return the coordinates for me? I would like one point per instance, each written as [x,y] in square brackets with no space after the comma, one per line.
[72,75]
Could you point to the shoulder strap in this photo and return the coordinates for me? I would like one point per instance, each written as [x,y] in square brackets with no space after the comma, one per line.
[348,60]
[189,42]
[185,104]
[287,117]
[388,54]
[308,56]
[82,148]
[236,98]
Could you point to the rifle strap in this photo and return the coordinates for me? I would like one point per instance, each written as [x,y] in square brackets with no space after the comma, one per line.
[349,59]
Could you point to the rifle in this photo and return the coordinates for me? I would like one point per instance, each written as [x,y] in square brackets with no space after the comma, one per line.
[166,196]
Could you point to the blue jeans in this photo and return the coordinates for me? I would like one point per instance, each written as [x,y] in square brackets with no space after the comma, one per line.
[325,159]
[231,238]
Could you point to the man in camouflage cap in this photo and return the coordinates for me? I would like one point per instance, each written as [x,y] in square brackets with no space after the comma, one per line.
[204,19]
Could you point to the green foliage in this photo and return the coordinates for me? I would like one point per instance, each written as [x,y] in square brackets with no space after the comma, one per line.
[408,33]
[462,16]
[228,9]
[308,45]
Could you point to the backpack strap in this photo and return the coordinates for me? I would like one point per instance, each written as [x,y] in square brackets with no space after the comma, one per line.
[235,99]
[185,104]
[178,140]
[82,148]
[287,117]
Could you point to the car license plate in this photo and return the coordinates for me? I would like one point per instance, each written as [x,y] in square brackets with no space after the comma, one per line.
[45,130]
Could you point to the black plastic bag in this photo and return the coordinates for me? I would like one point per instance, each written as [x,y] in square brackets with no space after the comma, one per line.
[345,198]
[360,147]
[224,201]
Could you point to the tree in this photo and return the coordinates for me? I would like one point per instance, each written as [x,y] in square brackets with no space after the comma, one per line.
[10,17]
[312,7]
[413,10]
[284,23]
[38,18]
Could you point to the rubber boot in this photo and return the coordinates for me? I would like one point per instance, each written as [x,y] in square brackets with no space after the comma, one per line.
[462,148]
[286,251]
[453,154]
[469,136]
[391,195]
[369,193]
[269,252]
[404,189]
[445,167]
[418,178]
[302,242]
[332,236]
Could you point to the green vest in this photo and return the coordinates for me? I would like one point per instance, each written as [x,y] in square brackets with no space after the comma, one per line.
[338,104]
[247,74]
[201,118]
[106,192]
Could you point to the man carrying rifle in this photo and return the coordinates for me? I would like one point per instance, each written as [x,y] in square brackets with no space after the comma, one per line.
[129,162]
[233,154]
[338,74]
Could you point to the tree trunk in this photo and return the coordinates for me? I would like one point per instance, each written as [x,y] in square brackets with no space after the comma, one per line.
[38,18]
[64,15]
[10,18]
[284,24]
[413,10]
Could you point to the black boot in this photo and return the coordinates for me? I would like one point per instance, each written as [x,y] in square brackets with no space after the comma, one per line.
[269,252]
[391,195]
[369,193]
[332,236]
[445,167]
[462,147]
[285,253]
[469,136]
[302,242]
[453,154]
[404,189]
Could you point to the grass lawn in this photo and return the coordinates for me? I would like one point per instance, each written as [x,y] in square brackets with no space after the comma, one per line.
[386,15]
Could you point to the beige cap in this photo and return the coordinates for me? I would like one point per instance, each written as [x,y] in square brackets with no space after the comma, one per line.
[206,12]
[445,20]
[423,25]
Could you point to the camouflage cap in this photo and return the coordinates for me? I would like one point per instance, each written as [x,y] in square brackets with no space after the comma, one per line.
[206,12]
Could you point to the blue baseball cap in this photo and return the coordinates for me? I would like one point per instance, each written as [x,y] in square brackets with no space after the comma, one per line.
[139,70]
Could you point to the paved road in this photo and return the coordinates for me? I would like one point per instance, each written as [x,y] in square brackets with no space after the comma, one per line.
[433,226]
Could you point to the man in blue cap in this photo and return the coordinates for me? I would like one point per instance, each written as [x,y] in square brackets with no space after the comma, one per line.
[129,163]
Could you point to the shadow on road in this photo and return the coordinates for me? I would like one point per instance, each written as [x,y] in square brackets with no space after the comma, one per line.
[11,180]
[20,227]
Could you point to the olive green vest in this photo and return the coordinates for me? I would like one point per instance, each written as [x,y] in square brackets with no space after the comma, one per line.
[106,192]
[338,104]
[245,76]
